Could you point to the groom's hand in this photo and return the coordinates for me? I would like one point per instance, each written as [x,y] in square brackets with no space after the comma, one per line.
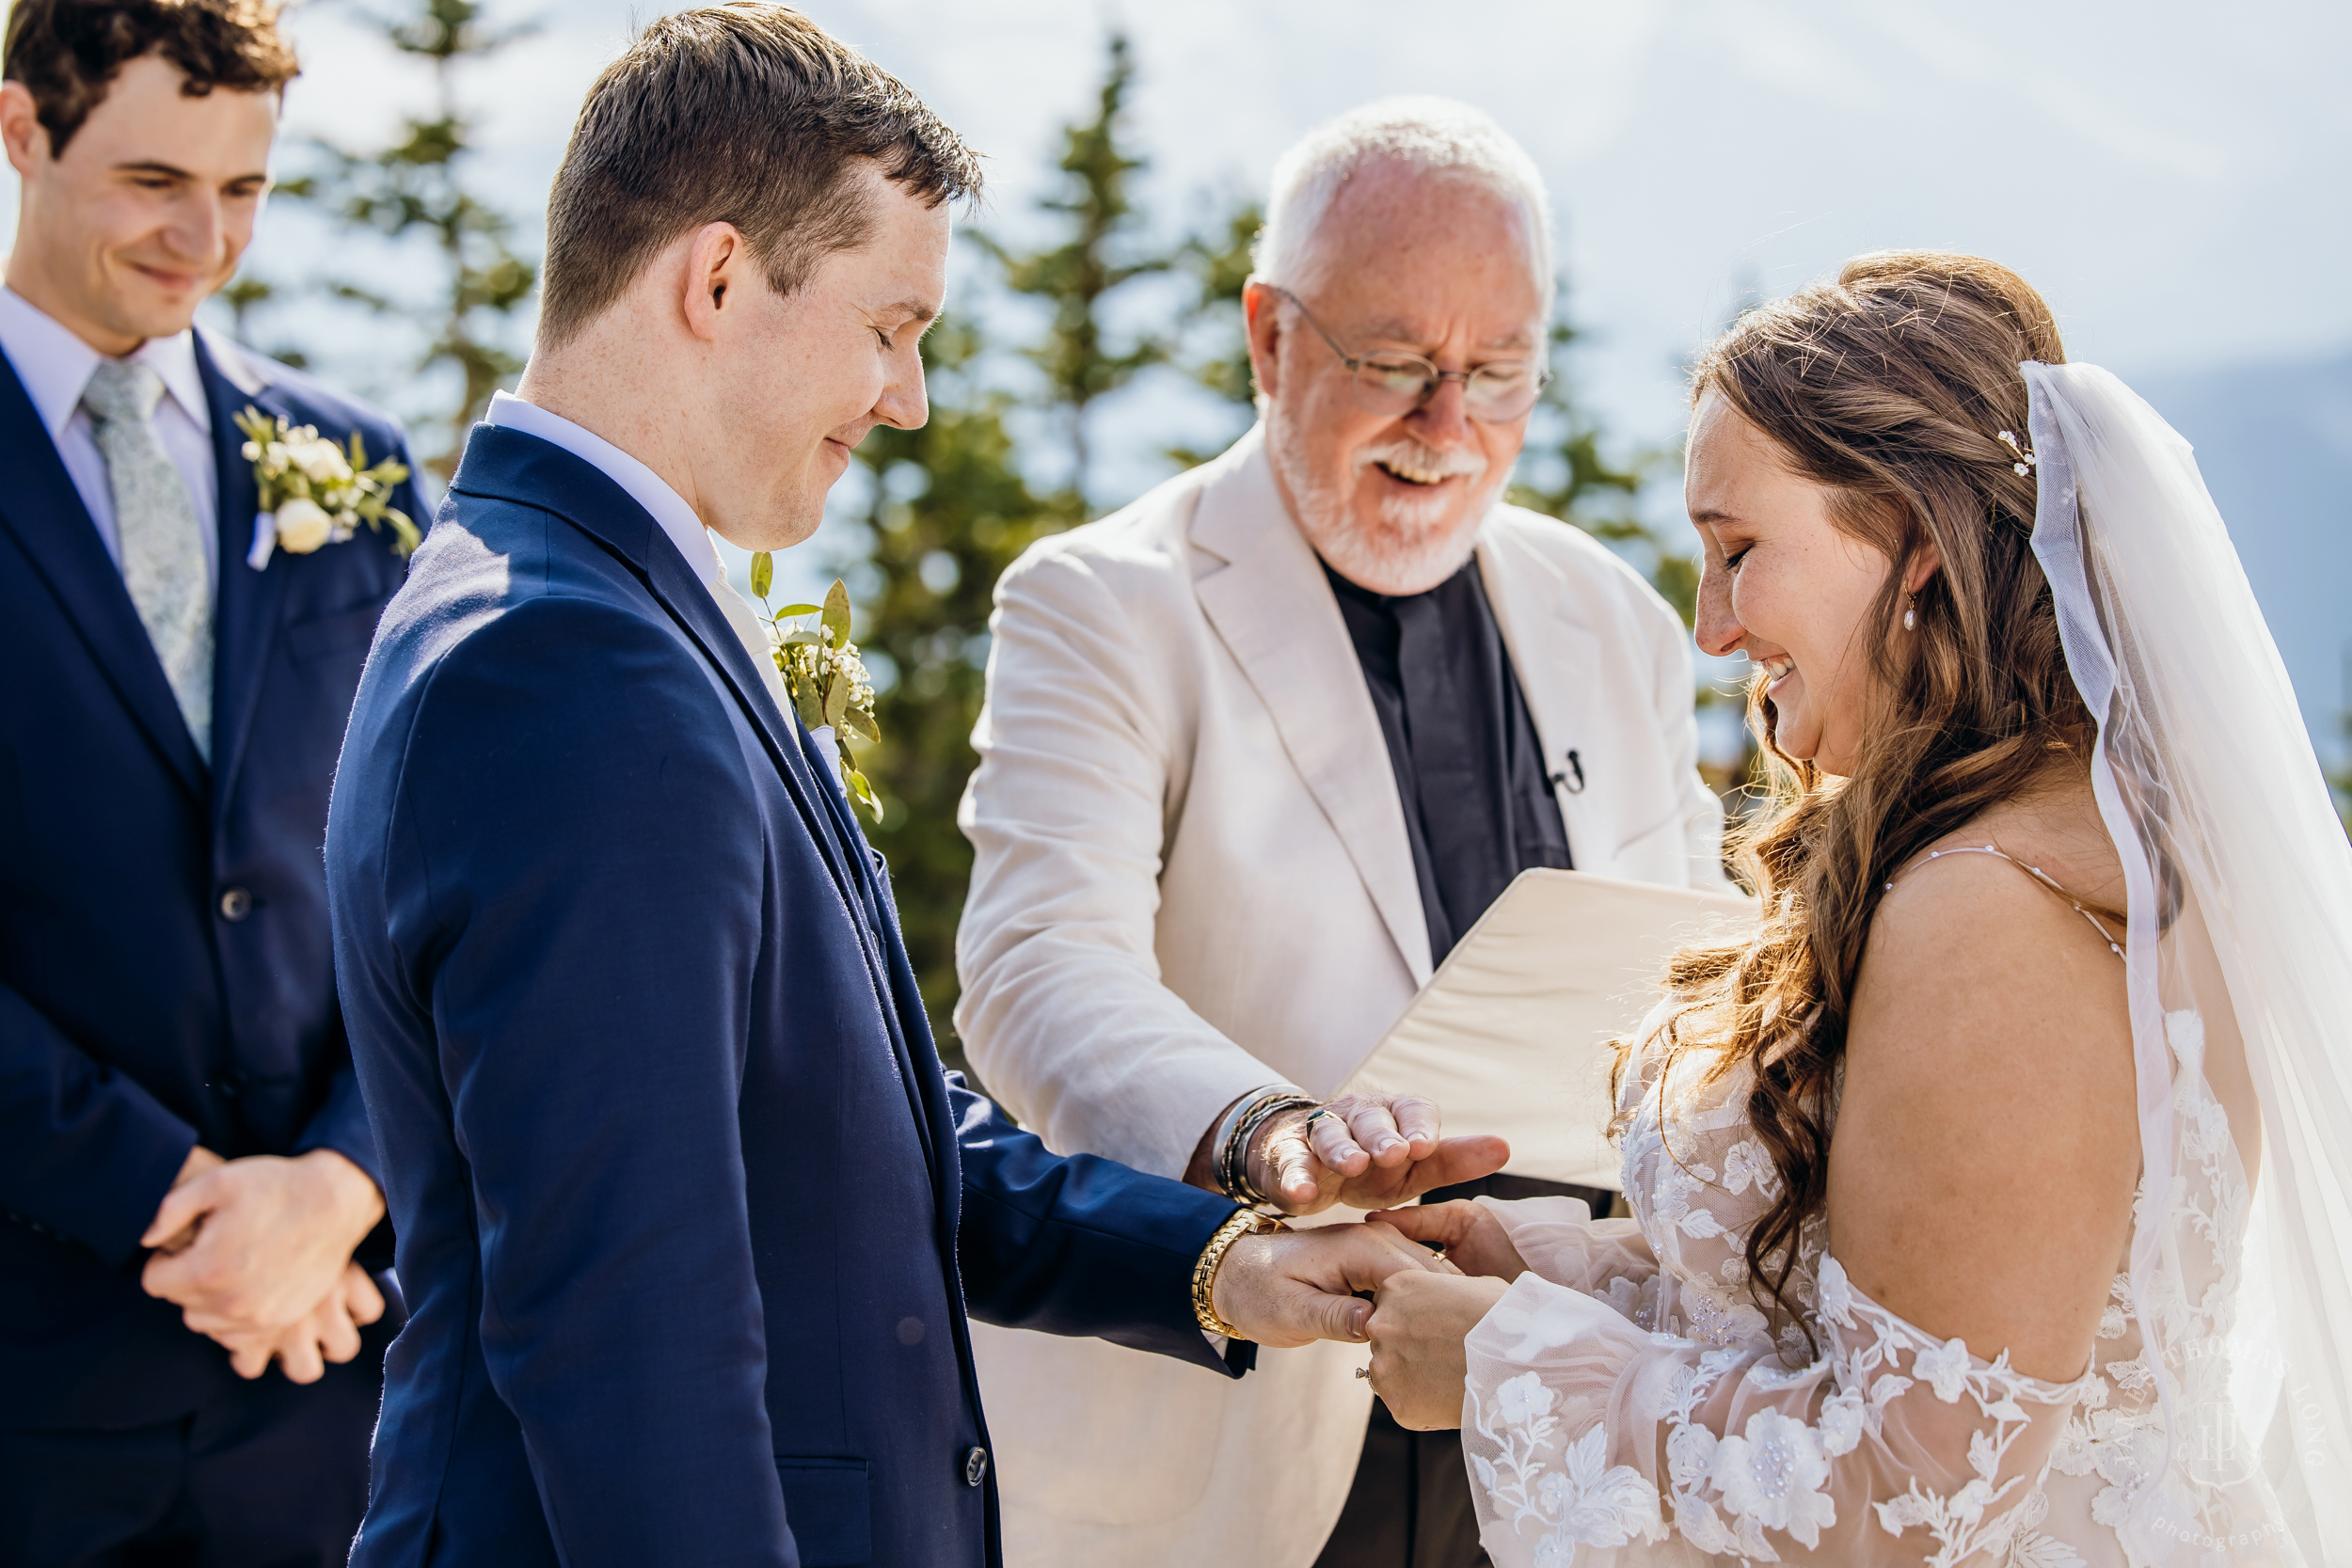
[1294,1287]
[1367,1151]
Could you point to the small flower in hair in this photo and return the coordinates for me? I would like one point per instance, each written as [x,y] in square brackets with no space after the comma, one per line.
[2025,460]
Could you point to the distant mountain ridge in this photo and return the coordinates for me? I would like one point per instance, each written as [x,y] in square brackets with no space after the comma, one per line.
[2274,441]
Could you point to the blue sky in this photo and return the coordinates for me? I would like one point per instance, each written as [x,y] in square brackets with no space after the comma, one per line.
[2172,176]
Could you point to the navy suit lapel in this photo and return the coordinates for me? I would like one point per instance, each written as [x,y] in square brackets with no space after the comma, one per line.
[511,465]
[246,625]
[40,507]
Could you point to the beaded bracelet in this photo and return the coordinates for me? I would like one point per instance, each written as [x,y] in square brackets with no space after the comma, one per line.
[1243,1222]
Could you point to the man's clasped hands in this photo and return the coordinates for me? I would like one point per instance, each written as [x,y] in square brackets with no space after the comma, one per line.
[1432,1272]
[256,1254]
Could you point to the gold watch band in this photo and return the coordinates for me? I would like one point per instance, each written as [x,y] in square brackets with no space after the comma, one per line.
[1243,1221]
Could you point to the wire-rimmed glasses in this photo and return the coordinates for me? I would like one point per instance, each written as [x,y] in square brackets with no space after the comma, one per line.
[1392,382]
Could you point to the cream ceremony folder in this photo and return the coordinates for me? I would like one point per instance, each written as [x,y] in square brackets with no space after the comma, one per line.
[1511,1036]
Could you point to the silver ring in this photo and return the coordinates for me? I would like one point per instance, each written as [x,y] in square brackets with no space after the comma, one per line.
[1363,1371]
[1307,1128]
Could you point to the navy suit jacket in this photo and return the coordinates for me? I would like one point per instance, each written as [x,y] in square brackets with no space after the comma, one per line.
[138,1014]
[688,1215]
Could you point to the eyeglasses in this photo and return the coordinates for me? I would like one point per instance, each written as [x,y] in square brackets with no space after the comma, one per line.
[1393,383]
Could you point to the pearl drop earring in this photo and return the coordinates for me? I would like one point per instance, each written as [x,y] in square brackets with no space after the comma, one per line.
[1911,613]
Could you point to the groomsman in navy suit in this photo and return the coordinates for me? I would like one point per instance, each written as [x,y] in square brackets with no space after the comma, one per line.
[191,1343]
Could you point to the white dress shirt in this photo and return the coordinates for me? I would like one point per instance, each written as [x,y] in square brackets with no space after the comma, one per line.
[652,492]
[55,365]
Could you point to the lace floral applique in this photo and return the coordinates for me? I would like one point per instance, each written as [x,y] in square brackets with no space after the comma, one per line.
[1671,1195]
[1749,1162]
[1585,1503]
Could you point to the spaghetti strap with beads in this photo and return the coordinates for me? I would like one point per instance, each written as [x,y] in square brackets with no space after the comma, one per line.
[2033,871]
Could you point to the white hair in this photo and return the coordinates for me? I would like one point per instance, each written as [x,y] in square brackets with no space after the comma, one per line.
[1433,133]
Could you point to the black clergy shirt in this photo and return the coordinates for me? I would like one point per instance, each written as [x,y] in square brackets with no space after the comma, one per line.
[1469,769]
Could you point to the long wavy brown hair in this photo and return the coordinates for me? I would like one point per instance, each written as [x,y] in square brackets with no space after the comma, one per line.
[1891,387]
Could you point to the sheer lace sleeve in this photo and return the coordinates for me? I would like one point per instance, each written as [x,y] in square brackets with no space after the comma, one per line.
[1893,1447]
[1560,1241]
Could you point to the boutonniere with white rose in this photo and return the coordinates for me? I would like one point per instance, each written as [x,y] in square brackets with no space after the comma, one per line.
[823,675]
[313,492]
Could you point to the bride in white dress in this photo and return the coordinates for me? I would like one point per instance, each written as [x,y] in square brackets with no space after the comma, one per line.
[1992,1203]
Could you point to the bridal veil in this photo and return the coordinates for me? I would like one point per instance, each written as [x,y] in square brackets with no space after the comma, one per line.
[2239,966]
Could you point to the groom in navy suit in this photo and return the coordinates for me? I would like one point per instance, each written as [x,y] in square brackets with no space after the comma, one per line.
[690,1218]
[190,1357]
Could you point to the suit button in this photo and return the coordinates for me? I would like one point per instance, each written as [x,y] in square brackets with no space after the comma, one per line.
[235,904]
[975,1465]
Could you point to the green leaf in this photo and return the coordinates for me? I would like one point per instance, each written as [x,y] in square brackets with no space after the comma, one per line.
[836,702]
[791,610]
[804,702]
[859,722]
[803,638]
[862,792]
[837,612]
[763,573]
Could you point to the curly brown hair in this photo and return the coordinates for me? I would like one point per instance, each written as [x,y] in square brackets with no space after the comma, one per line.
[1890,387]
[68,53]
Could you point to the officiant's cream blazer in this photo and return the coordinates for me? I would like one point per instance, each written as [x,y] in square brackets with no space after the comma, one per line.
[1193,879]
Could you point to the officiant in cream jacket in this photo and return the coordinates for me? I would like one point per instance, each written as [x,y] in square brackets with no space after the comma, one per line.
[1256,749]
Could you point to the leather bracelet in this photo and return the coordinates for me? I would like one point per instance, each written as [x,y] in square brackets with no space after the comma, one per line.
[1243,1222]
[1221,1140]
[1233,1166]
[1228,1136]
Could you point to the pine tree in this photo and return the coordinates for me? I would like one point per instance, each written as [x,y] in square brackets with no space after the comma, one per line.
[949,509]
[1102,251]
[1213,336]
[416,186]
[947,512]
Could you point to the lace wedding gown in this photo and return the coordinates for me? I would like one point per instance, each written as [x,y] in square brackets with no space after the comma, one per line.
[1628,1402]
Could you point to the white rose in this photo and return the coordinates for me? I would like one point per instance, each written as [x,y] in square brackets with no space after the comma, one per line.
[302,526]
[321,463]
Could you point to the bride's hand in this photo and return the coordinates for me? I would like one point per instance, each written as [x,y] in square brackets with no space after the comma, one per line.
[1470,1236]
[1418,1324]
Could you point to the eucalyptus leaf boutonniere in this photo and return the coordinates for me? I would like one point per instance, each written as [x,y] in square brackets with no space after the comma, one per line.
[314,491]
[823,675]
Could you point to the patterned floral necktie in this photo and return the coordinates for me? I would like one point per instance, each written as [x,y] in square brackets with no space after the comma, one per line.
[163,551]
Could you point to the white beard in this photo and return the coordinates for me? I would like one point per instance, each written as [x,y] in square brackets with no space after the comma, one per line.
[1416,541]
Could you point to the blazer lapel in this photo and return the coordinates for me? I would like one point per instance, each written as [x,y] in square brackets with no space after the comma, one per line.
[1557,659]
[245,626]
[511,465]
[1275,612]
[40,507]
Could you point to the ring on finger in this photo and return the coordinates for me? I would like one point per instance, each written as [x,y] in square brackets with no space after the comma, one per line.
[1307,1128]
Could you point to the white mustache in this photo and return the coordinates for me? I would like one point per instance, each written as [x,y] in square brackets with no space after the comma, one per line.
[1415,458]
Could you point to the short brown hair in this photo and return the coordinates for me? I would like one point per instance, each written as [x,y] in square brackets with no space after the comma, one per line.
[746,113]
[67,52]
